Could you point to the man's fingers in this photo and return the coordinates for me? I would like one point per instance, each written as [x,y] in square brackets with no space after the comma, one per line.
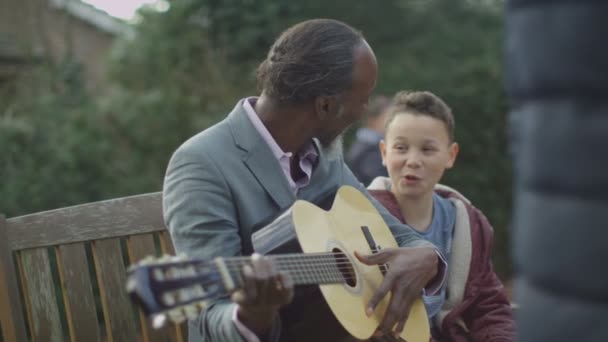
[286,280]
[399,328]
[401,321]
[264,289]
[393,313]
[265,281]
[239,297]
[249,284]
[287,286]
[381,257]
[404,314]
[378,296]
[261,266]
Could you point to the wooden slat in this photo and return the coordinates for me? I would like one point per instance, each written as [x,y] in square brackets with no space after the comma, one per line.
[26,300]
[181,331]
[11,308]
[92,221]
[139,247]
[45,324]
[166,247]
[118,313]
[77,293]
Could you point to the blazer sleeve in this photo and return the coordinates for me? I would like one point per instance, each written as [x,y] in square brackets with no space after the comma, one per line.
[202,220]
[490,317]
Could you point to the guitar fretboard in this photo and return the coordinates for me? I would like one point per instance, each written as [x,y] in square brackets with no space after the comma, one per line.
[304,269]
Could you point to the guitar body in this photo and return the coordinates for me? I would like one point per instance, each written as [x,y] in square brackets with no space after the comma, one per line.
[340,230]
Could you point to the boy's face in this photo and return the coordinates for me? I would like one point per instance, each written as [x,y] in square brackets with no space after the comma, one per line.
[416,151]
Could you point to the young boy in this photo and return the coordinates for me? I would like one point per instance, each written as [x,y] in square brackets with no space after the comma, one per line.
[418,147]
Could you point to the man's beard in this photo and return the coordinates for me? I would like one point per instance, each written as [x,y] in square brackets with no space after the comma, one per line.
[334,149]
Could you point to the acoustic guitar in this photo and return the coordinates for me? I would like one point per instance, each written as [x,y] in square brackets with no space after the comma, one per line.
[178,287]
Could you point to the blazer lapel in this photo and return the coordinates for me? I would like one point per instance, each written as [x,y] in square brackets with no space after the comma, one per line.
[259,159]
[266,169]
[321,190]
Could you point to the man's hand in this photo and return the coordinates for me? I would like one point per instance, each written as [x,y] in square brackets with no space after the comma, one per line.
[409,271]
[263,293]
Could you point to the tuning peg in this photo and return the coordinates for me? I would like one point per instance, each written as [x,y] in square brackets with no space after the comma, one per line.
[159,275]
[165,258]
[185,295]
[142,262]
[158,321]
[147,260]
[198,291]
[191,311]
[168,299]
[177,316]
[180,257]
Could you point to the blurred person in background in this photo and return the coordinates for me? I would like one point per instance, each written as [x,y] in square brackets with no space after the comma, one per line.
[363,157]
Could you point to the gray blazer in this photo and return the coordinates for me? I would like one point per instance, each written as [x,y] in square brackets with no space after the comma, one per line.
[221,184]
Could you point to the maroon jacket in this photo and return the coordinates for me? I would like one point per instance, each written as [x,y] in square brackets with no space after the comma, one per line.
[484,313]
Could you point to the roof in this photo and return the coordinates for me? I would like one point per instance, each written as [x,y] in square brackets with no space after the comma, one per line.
[94,16]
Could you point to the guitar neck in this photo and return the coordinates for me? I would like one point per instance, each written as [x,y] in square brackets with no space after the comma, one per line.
[304,269]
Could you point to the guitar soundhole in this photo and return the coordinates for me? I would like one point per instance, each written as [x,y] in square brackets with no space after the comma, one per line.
[345,267]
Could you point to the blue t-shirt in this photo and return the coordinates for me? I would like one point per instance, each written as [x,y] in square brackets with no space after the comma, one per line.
[440,233]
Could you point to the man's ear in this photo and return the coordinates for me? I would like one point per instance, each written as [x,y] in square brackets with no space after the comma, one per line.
[453,151]
[326,106]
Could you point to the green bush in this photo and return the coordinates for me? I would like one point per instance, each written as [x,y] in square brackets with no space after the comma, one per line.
[53,150]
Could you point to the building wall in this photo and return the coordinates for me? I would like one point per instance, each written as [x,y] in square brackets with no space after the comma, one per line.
[48,30]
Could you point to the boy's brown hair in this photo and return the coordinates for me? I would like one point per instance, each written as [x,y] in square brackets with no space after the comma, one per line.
[422,103]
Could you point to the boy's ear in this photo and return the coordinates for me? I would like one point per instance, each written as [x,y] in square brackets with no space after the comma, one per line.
[453,151]
[382,147]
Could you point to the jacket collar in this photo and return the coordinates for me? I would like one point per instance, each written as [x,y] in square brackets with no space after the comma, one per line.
[259,158]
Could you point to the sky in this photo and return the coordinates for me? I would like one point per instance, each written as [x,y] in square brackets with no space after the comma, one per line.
[123,9]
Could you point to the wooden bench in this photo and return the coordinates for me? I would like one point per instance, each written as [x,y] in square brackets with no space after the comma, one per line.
[62,272]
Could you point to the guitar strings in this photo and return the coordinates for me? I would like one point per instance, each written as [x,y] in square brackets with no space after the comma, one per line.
[329,259]
[304,256]
[310,267]
[333,276]
[333,267]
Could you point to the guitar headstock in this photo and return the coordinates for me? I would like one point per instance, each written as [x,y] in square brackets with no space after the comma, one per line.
[173,286]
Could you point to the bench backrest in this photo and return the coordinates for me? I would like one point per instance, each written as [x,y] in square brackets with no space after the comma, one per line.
[62,272]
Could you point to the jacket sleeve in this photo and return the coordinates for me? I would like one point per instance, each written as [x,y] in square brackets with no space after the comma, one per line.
[489,318]
[202,220]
